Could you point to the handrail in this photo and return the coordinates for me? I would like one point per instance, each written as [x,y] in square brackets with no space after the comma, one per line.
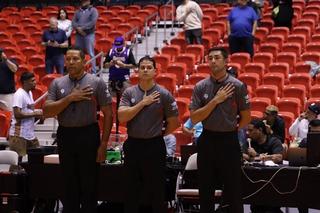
[100,54]
[155,14]
[44,95]
[136,30]
[165,20]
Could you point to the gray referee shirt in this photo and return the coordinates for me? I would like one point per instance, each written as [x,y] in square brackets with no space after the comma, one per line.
[224,117]
[148,123]
[80,113]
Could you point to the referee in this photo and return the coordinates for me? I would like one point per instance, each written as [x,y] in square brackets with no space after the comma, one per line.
[217,102]
[145,107]
[74,98]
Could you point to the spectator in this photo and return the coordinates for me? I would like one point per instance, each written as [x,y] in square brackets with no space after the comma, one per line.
[262,147]
[194,130]
[171,142]
[119,61]
[282,13]
[65,24]
[7,85]
[84,22]
[191,14]
[299,128]
[274,123]
[55,40]
[241,28]
[21,135]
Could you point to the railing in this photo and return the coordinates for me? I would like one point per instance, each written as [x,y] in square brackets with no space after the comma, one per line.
[156,15]
[101,54]
[134,30]
[171,12]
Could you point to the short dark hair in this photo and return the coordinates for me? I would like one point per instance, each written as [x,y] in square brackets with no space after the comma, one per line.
[26,76]
[59,11]
[82,55]
[223,51]
[147,58]
[314,123]
[259,124]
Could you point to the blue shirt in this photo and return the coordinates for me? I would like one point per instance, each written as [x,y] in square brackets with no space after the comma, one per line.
[197,127]
[56,35]
[241,21]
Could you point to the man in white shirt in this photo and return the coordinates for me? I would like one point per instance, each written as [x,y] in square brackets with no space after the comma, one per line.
[191,14]
[299,128]
[21,135]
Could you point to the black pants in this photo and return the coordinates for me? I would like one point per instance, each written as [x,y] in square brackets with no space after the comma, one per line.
[144,161]
[193,36]
[219,156]
[241,44]
[77,147]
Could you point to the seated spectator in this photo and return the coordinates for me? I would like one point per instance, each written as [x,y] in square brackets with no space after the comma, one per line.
[262,145]
[8,68]
[55,41]
[194,130]
[299,128]
[171,142]
[274,123]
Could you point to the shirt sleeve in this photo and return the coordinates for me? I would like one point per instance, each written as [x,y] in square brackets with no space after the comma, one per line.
[243,98]
[188,124]
[277,147]
[44,37]
[170,105]
[198,11]
[52,91]
[293,129]
[125,98]
[69,30]
[103,95]
[75,19]
[195,99]
[255,17]
[180,14]
[17,100]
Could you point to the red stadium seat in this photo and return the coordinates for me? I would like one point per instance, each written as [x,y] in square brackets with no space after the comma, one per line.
[182,139]
[196,77]
[168,80]
[315,91]
[240,58]
[197,50]
[265,58]
[302,67]
[277,39]
[255,68]
[311,56]
[180,70]
[188,59]
[180,42]
[302,79]
[272,48]
[164,60]
[259,103]
[276,79]
[283,31]
[280,68]
[251,79]
[185,91]
[288,104]
[267,91]
[172,50]
[293,47]
[287,57]
[295,91]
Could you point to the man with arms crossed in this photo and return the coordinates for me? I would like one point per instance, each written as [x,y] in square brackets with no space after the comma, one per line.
[217,101]
[74,99]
